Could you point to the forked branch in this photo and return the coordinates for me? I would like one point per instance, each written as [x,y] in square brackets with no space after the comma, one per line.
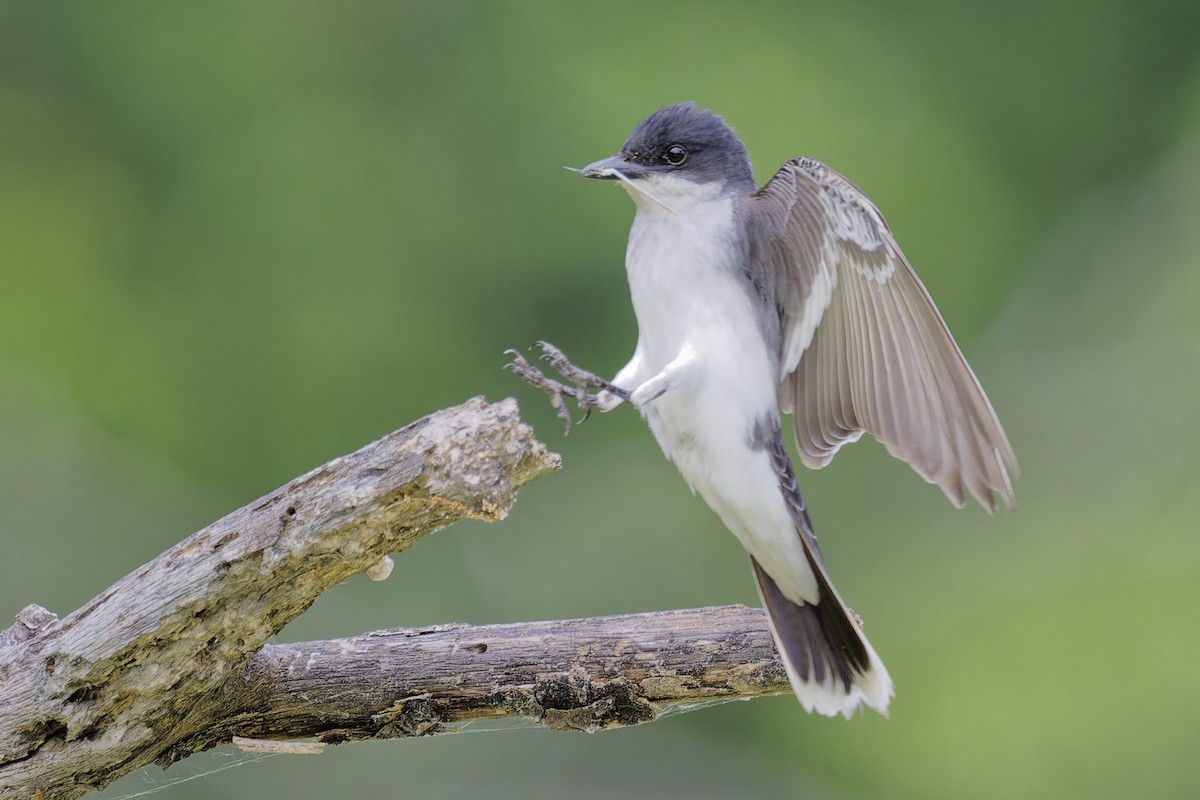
[173,658]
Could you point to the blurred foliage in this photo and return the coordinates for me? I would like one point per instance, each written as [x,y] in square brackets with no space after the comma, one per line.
[238,239]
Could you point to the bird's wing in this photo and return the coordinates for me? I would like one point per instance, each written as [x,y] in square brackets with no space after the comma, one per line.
[862,346]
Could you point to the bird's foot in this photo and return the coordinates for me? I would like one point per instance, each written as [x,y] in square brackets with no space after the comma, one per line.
[581,379]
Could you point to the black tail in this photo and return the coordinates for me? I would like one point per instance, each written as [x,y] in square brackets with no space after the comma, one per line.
[829,662]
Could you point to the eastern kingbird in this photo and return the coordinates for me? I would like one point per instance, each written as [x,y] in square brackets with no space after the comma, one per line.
[793,298]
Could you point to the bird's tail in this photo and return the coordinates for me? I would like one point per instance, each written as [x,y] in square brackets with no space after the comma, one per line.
[830,664]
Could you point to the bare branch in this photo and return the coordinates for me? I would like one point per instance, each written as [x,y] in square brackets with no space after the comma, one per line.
[582,674]
[173,659]
[147,663]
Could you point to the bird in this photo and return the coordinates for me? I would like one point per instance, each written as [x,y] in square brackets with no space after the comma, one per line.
[757,302]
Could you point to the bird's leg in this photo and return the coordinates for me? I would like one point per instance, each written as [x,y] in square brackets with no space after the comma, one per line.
[556,390]
[678,372]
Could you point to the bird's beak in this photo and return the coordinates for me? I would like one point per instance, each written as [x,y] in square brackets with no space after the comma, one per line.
[612,168]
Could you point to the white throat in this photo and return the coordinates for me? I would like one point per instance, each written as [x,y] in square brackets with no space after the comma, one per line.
[670,194]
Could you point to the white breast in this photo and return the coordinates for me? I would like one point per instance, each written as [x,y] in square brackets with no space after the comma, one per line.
[687,292]
[684,284]
[683,276]
[680,277]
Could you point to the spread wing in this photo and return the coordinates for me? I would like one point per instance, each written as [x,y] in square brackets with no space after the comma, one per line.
[862,346]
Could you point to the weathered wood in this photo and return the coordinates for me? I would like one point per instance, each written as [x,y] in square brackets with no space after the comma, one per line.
[173,658]
[149,663]
[582,674]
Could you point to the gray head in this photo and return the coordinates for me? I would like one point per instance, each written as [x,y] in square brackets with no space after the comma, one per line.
[684,141]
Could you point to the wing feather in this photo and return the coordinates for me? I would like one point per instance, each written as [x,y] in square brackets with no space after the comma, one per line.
[862,346]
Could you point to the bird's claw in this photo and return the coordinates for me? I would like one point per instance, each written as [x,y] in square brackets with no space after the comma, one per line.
[555,390]
[582,380]
[580,377]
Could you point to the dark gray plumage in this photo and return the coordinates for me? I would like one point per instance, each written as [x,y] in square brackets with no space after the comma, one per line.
[715,153]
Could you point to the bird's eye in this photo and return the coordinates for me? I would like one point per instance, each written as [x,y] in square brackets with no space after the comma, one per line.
[675,155]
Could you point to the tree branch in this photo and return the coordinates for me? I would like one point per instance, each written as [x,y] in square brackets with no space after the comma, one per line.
[173,658]
[582,674]
[144,665]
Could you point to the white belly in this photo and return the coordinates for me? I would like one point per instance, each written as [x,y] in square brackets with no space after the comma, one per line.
[686,296]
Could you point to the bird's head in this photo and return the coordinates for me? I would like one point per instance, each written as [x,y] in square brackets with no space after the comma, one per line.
[678,152]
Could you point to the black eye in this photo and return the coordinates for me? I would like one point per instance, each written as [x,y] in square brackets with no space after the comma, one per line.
[675,155]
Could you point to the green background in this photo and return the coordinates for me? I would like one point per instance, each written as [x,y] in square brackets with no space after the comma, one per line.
[239,239]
